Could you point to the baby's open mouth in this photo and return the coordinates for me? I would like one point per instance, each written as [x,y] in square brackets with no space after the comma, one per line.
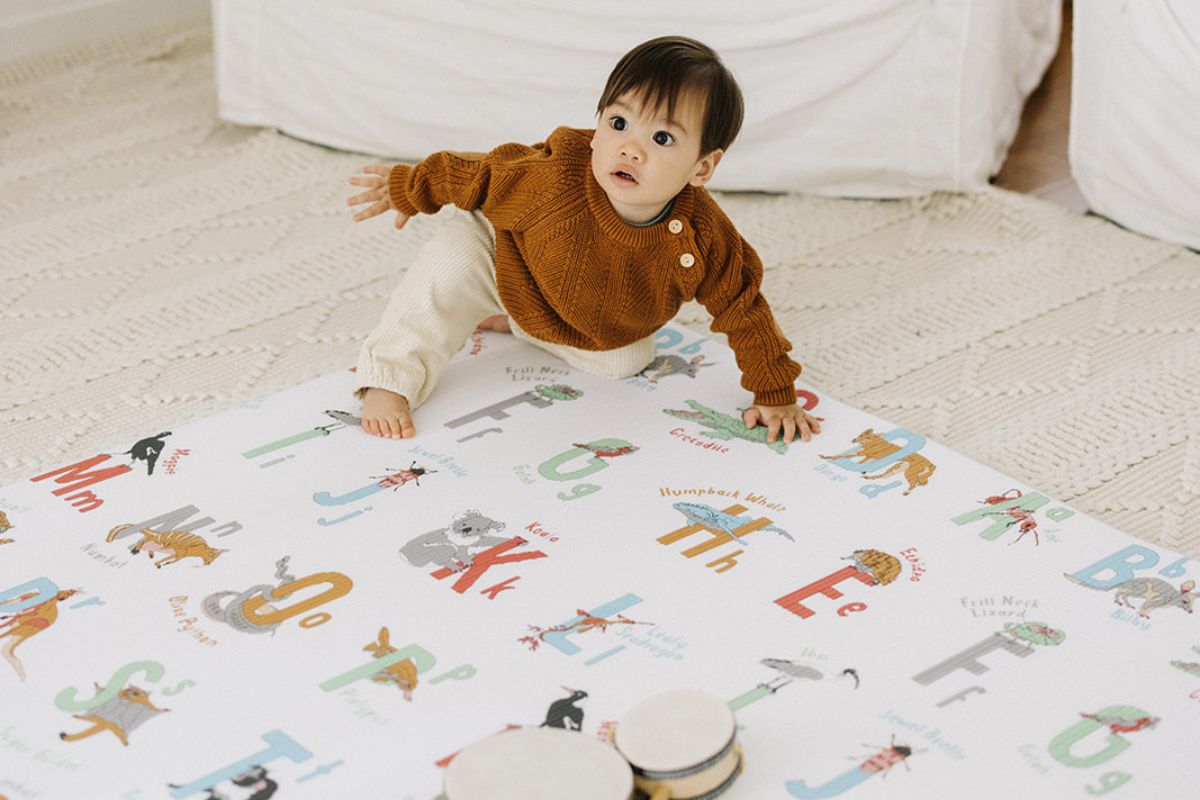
[625,176]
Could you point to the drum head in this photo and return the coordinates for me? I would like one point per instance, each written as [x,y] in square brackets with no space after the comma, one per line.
[676,731]
[538,764]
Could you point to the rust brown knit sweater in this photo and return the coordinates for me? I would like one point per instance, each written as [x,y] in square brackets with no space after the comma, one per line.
[570,271]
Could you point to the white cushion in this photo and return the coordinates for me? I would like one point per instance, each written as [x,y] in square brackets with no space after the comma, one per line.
[1135,114]
[871,98]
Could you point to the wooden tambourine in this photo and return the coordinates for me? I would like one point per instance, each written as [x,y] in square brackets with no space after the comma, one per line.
[682,745]
[538,764]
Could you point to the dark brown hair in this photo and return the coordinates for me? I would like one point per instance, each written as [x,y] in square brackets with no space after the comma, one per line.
[662,69]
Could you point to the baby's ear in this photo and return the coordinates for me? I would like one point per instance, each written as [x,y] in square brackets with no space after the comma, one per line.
[705,167]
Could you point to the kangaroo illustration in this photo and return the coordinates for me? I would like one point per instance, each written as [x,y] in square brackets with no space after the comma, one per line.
[26,624]
[175,545]
[1154,593]
[872,447]
[403,673]
[121,715]
[662,366]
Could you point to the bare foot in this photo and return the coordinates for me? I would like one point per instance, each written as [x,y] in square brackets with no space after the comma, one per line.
[498,323]
[386,414]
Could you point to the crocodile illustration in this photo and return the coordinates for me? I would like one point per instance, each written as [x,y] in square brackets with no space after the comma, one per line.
[725,427]
[720,522]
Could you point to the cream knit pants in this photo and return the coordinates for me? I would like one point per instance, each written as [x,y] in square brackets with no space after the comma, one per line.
[448,290]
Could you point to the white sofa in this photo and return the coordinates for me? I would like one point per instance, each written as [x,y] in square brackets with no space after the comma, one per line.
[871,98]
[1135,114]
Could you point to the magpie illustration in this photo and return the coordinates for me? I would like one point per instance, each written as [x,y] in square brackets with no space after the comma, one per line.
[564,713]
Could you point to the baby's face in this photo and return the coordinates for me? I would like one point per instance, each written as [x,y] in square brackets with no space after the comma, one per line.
[642,159]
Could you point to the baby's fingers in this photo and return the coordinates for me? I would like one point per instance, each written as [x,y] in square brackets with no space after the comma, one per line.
[373,196]
[373,211]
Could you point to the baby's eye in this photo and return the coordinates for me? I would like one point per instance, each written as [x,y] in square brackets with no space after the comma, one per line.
[663,138]
[617,123]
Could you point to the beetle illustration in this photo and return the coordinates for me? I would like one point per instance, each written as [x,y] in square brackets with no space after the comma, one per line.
[395,479]
[887,757]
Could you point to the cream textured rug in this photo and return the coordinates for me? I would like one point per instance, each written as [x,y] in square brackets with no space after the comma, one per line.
[159,266]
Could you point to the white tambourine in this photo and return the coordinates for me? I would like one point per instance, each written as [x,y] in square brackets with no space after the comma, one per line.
[682,745]
[538,764]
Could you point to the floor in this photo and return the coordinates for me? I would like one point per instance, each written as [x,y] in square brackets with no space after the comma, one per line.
[1037,162]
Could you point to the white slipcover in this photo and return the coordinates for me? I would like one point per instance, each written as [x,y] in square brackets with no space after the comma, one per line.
[1135,114]
[870,98]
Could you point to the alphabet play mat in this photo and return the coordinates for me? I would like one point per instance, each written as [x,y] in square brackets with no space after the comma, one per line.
[271,602]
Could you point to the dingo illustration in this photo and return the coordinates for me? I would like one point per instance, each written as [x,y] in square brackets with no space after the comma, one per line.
[872,447]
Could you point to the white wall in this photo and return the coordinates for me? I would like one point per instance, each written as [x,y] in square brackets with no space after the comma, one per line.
[30,27]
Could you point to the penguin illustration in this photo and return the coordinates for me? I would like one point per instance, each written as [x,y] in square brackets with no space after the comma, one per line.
[564,713]
[148,450]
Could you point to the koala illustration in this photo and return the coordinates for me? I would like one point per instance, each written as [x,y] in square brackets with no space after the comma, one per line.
[451,547]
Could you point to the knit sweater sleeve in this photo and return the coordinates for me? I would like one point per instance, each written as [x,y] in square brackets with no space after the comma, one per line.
[494,181]
[730,292]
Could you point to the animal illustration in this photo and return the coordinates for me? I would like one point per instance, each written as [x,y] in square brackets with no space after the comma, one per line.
[172,545]
[662,366]
[606,452]
[1123,724]
[233,612]
[397,479]
[882,568]
[557,391]
[148,450]
[121,715]
[5,526]
[888,757]
[565,712]
[1153,592]
[790,671]
[1028,524]
[24,625]
[402,673]
[1034,632]
[344,417]
[725,427]
[451,547]
[872,447]
[720,522]
[587,623]
[255,779]
[1190,667]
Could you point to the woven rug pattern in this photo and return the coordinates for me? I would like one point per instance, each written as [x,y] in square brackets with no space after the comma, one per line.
[160,266]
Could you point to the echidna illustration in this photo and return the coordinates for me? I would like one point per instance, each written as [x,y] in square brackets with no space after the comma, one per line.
[882,568]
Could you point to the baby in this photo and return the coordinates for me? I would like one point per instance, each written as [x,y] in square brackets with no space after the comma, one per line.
[584,245]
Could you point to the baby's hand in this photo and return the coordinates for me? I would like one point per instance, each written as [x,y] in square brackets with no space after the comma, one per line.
[377,194]
[790,417]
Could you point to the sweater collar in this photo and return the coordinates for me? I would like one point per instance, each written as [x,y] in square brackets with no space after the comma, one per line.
[621,231]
